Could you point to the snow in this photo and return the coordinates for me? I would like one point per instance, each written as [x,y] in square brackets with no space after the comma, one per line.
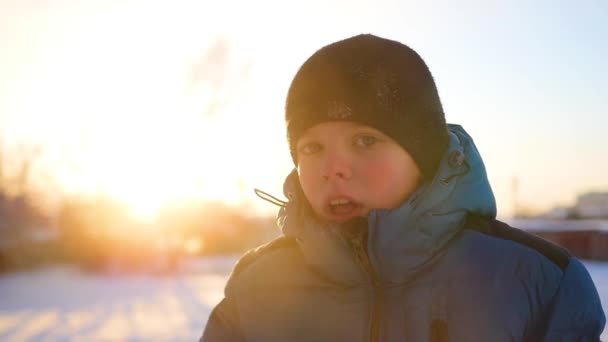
[63,304]
[540,225]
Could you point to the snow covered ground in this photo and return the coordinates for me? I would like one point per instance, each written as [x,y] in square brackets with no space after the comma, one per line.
[63,304]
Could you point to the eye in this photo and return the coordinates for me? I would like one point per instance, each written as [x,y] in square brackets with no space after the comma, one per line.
[309,148]
[365,140]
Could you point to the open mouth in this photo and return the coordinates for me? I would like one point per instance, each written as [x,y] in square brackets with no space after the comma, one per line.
[343,207]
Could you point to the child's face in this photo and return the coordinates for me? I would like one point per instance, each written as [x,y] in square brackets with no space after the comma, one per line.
[347,169]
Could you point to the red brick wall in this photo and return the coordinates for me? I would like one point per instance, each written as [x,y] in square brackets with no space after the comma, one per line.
[590,245]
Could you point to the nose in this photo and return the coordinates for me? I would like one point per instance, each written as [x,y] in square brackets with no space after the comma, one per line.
[336,167]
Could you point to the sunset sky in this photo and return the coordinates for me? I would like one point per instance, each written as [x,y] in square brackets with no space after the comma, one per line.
[117,93]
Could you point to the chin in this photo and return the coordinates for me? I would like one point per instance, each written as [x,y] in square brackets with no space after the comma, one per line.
[344,219]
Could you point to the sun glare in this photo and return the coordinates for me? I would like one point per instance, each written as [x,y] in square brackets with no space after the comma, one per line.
[179,157]
[134,131]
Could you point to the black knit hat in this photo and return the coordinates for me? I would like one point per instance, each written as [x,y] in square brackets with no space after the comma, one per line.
[374,81]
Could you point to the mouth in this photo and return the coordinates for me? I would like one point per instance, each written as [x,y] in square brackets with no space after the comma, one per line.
[343,209]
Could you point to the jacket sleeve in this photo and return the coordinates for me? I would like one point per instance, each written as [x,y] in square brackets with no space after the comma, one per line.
[576,311]
[223,323]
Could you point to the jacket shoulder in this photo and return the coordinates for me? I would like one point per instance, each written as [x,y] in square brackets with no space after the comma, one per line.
[492,227]
[250,257]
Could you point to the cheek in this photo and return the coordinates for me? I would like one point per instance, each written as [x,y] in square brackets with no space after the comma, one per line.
[389,181]
[380,173]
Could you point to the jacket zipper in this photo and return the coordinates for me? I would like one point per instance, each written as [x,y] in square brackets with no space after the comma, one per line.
[363,258]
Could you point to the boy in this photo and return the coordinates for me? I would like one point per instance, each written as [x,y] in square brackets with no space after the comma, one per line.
[390,232]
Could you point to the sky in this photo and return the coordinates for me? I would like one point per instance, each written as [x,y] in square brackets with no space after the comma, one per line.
[152,102]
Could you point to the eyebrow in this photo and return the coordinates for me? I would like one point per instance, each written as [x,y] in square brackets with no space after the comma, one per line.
[366,129]
[305,140]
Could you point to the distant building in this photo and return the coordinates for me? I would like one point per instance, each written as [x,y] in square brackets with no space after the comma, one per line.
[592,205]
[581,229]
[589,206]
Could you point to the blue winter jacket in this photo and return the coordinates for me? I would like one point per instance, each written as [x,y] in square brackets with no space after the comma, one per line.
[438,268]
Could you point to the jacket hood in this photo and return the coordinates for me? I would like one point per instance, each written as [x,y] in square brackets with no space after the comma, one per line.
[399,241]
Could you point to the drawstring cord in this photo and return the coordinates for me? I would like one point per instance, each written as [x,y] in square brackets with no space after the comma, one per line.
[269,198]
